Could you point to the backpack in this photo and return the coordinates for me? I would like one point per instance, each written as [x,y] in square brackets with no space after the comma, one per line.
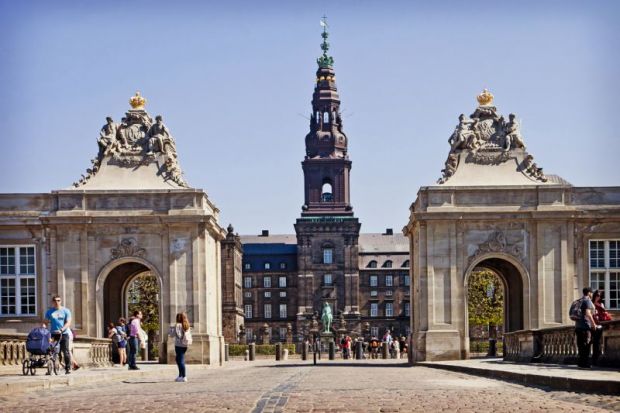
[186,340]
[575,312]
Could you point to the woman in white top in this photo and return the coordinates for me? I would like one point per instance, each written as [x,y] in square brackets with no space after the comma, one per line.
[182,339]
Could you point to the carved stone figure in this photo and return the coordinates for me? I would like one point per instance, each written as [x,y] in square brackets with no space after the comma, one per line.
[463,133]
[107,136]
[450,169]
[530,168]
[513,137]
[326,318]
[173,172]
[159,138]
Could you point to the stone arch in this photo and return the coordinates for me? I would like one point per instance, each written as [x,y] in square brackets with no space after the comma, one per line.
[516,281]
[133,266]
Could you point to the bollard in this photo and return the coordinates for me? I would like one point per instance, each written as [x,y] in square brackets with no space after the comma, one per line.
[285,354]
[226,352]
[252,351]
[304,351]
[247,355]
[332,350]
[385,351]
[359,350]
[278,351]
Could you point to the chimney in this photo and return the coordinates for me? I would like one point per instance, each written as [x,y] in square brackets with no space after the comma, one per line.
[265,233]
[389,231]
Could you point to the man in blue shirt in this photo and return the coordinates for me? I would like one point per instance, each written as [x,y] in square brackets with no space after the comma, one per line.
[60,321]
[584,328]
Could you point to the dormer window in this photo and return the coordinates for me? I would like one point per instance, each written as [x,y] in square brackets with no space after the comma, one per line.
[406,264]
[387,264]
[372,264]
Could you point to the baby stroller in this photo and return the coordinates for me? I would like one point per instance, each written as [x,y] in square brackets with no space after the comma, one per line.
[43,352]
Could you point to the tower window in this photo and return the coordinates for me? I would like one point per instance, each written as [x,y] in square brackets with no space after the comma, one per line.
[326,192]
[326,117]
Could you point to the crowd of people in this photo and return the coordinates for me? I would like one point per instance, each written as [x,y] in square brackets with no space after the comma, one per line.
[397,347]
[588,313]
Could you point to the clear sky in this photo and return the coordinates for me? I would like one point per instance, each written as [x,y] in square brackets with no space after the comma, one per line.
[233,81]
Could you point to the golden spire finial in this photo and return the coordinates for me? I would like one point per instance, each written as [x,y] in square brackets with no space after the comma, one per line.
[485,98]
[137,101]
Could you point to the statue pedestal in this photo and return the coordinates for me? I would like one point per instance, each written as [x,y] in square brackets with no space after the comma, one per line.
[326,338]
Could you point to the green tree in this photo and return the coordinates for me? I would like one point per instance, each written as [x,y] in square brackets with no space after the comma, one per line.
[143,295]
[485,302]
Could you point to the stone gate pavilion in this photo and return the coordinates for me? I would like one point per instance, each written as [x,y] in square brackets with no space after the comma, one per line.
[495,209]
[131,213]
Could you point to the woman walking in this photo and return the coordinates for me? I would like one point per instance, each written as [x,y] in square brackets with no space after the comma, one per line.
[182,339]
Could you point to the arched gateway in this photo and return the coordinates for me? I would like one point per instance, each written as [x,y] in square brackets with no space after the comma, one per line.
[494,208]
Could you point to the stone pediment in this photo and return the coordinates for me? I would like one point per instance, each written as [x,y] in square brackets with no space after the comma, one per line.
[487,149]
[138,153]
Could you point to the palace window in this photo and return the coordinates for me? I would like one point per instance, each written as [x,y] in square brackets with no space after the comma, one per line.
[267,294]
[373,293]
[247,266]
[374,309]
[248,310]
[374,331]
[247,282]
[406,280]
[389,281]
[282,282]
[327,279]
[283,266]
[283,311]
[387,264]
[389,309]
[372,264]
[407,307]
[17,281]
[247,294]
[328,255]
[388,293]
[282,331]
[267,282]
[282,294]
[605,270]
[373,281]
[267,265]
[406,264]
[267,308]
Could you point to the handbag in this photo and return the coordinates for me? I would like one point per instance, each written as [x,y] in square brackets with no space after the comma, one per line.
[186,340]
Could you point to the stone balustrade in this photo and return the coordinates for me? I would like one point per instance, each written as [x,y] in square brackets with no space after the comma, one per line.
[87,351]
[559,345]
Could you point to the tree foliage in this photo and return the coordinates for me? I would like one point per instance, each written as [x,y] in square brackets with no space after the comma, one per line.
[485,299]
[143,295]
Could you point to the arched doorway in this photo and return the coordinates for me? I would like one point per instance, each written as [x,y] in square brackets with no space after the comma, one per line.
[515,291]
[120,288]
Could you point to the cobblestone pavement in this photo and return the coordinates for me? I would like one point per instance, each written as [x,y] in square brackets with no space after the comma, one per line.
[265,386]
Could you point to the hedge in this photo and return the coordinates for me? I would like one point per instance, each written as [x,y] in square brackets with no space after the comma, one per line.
[262,349]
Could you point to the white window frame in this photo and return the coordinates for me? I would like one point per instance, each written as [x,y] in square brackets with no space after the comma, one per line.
[266,281]
[608,273]
[267,266]
[247,282]
[373,293]
[248,310]
[282,332]
[389,293]
[328,255]
[407,280]
[389,283]
[327,279]
[282,265]
[407,309]
[389,309]
[282,282]
[267,311]
[283,314]
[18,277]
[373,281]
[247,294]
[247,266]
[374,332]
[249,334]
[267,294]
[282,294]
[374,309]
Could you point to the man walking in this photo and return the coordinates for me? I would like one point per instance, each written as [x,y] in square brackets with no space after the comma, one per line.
[134,334]
[60,321]
[584,326]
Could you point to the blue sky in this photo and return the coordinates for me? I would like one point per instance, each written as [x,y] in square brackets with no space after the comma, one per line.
[233,81]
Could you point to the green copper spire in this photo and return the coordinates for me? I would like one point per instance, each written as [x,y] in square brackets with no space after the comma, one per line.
[325,61]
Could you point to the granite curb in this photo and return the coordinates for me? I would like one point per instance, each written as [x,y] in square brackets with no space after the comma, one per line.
[550,381]
[14,384]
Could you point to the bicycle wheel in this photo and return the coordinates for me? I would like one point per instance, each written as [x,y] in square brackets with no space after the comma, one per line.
[25,367]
